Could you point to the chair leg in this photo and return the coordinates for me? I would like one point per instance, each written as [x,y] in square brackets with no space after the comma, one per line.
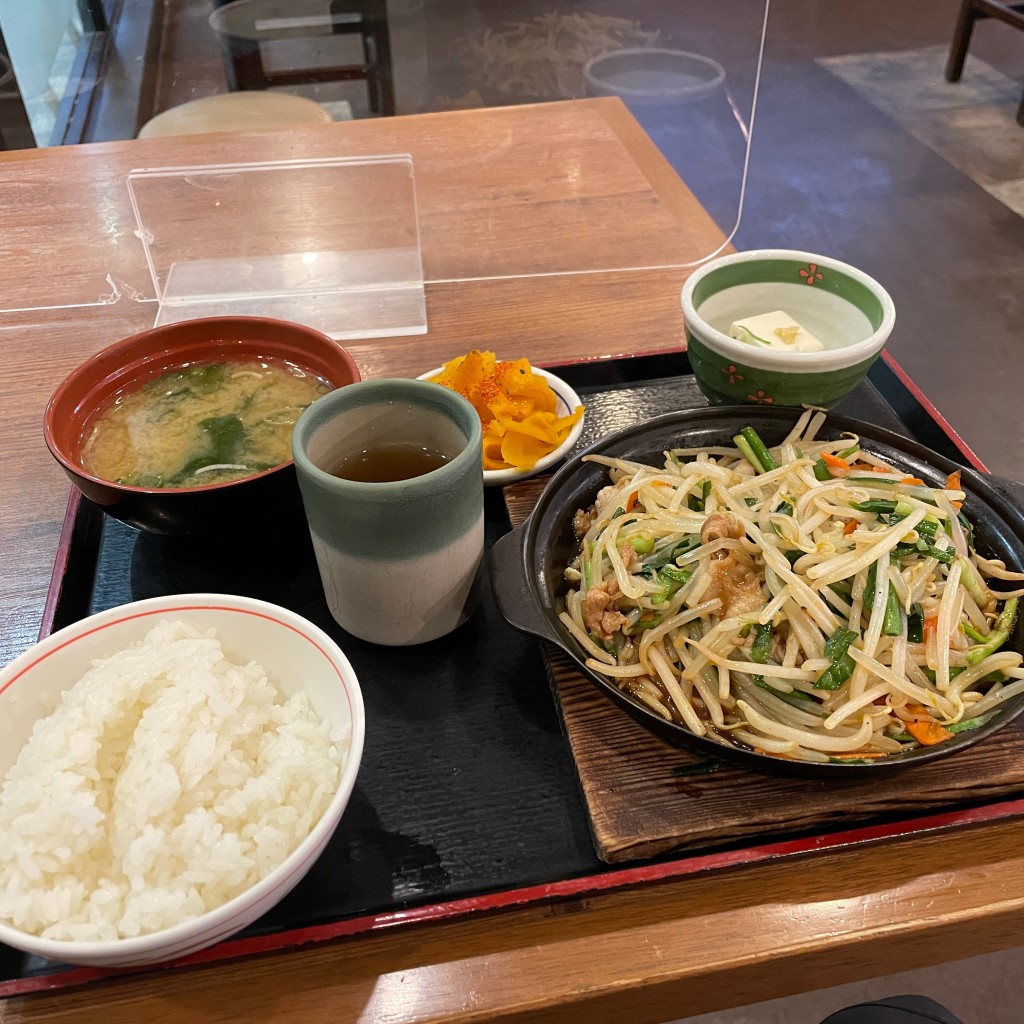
[961,40]
[377,55]
[373,91]
[382,86]
[380,70]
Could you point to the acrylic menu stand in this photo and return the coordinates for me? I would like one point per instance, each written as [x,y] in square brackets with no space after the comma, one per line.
[330,243]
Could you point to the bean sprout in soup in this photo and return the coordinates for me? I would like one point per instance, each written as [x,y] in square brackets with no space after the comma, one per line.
[200,425]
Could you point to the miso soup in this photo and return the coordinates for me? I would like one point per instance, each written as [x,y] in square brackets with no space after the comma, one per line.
[201,424]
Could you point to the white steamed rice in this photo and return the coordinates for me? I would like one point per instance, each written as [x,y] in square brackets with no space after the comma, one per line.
[167,781]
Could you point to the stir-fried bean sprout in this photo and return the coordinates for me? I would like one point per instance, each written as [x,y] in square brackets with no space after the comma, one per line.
[808,601]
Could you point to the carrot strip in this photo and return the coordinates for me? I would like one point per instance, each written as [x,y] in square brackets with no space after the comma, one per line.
[834,463]
[953,484]
[913,480]
[928,733]
[631,503]
[850,527]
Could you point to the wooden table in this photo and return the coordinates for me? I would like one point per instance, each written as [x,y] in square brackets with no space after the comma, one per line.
[504,196]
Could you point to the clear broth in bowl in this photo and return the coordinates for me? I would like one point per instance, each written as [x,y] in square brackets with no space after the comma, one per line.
[200,425]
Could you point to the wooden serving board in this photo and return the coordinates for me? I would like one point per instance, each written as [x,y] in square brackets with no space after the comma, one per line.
[646,797]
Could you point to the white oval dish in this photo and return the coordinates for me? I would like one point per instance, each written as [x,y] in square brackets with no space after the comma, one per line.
[296,655]
[567,401]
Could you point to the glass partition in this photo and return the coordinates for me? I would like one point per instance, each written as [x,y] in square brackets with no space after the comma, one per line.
[96,70]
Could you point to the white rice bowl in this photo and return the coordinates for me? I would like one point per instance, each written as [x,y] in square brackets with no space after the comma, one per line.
[175,796]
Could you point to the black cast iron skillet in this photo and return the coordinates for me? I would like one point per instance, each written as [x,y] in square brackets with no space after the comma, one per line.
[527,564]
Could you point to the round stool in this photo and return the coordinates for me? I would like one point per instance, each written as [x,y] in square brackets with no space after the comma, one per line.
[653,77]
[236,112]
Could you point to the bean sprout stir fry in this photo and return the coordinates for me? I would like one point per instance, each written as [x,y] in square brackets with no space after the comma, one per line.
[808,601]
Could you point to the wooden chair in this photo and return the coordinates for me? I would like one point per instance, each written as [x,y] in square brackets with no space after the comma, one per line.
[970,12]
[244,26]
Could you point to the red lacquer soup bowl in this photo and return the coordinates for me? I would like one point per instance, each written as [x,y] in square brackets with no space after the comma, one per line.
[252,505]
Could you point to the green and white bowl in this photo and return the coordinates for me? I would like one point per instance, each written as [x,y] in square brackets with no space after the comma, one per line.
[850,313]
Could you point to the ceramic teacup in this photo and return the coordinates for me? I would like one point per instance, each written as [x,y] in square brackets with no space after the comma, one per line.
[398,558]
[848,311]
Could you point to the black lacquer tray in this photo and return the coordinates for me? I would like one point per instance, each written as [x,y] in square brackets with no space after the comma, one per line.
[467,798]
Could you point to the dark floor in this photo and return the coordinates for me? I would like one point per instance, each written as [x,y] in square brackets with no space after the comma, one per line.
[847,160]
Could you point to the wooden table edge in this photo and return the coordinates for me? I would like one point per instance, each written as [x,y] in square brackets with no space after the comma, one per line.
[648,954]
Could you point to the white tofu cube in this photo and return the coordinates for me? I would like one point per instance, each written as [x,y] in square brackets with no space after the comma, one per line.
[777,330]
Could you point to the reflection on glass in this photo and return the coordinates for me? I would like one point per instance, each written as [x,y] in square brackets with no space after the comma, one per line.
[43,41]
[686,71]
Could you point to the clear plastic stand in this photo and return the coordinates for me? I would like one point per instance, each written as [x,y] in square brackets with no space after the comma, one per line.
[331,243]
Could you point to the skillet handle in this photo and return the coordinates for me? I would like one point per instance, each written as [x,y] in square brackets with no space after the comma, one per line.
[512,589]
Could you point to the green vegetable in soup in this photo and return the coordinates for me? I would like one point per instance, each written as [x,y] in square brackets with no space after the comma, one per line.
[225,434]
[201,425]
[189,382]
